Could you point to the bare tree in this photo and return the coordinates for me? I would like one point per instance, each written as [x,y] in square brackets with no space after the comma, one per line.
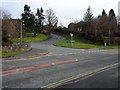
[104,28]
[4,14]
[51,18]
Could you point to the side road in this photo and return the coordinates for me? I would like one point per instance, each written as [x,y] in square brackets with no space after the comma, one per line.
[36,52]
[46,47]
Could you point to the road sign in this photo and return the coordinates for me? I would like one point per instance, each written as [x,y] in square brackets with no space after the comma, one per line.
[71,34]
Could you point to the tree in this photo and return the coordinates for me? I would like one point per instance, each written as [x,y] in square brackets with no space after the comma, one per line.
[4,15]
[88,15]
[31,24]
[111,13]
[26,16]
[104,29]
[104,13]
[29,20]
[40,17]
[51,18]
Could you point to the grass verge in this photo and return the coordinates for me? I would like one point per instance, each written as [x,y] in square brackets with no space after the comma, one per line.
[82,44]
[7,54]
[76,44]
[29,38]
[39,37]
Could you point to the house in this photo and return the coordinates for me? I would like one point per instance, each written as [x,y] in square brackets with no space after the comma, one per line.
[11,27]
[76,27]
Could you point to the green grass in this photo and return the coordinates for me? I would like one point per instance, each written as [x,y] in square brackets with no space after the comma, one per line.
[82,44]
[31,38]
[7,54]
[111,47]
[76,44]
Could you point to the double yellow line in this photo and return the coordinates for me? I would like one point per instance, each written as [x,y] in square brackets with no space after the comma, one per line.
[89,73]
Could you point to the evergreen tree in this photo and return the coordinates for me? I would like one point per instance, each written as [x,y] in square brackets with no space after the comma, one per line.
[104,13]
[40,18]
[29,19]
[111,13]
[88,15]
[26,15]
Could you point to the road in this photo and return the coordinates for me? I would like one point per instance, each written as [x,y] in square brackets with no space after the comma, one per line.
[60,64]
[108,78]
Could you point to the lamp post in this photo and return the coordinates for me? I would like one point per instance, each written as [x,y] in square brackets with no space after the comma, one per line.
[21,33]
[109,37]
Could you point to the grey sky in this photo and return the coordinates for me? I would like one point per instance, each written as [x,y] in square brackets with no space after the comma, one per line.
[66,10]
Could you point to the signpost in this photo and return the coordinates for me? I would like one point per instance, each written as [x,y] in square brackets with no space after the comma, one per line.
[71,41]
[109,37]
[105,44]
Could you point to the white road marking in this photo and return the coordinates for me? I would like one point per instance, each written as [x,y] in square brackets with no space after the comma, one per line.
[50,54]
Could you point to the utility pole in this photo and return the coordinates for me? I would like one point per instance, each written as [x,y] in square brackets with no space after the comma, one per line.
[109,37]
[71,34]
[21,33]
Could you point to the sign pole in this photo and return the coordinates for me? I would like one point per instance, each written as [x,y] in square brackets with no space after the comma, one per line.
[71,34]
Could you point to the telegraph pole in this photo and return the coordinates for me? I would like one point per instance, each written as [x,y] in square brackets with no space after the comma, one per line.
[21,33]
[109,37]
[71,34]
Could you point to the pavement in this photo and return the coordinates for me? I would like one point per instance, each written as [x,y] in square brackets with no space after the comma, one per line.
[32,53]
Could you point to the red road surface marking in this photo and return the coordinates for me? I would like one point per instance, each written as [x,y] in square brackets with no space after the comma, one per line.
[36,67]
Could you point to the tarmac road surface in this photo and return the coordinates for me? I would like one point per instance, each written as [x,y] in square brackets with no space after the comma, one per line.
[60,64]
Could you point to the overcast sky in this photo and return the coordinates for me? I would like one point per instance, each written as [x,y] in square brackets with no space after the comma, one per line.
[66,10]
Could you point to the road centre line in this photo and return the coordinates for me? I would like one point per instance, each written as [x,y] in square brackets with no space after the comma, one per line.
[75,53]
[61,82]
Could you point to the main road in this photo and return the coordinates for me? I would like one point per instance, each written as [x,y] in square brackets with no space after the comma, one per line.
[62,66]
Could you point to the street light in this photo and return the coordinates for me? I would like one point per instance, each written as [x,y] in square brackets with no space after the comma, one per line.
[109,37]
[21,33]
